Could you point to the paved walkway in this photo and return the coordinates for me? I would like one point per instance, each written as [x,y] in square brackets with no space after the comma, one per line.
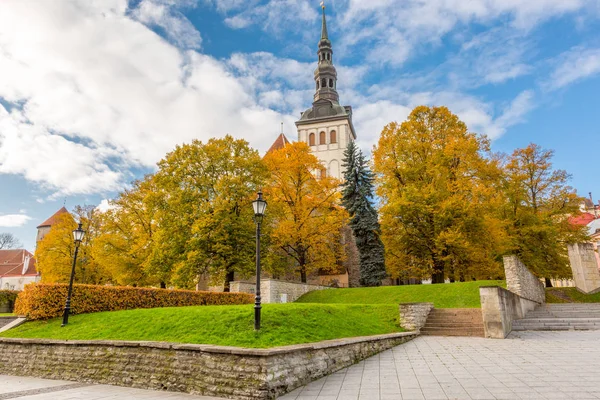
[27,388]
[528,365]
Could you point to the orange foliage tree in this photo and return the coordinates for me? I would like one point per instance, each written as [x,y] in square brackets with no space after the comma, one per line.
[304,217]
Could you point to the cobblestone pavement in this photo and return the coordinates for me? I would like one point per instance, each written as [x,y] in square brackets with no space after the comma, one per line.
[527,365]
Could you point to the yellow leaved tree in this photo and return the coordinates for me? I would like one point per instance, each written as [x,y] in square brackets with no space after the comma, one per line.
[440,198]
[304,216]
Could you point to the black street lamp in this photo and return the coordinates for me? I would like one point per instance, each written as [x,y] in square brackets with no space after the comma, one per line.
[259,205]
[78,237]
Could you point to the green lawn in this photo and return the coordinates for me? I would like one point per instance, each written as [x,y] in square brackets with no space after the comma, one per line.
[570,295]
[447,295]
[282,324]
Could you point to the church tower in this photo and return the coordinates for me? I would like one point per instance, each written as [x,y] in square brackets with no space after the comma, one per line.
[327,126]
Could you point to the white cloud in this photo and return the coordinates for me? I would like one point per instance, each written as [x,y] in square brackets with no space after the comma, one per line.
[163,13]
[13,220]
[574,65]
[108,94]
[105,205]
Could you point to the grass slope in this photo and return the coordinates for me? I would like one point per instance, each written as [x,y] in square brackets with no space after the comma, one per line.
[570,295]
[448,295]
[282,324]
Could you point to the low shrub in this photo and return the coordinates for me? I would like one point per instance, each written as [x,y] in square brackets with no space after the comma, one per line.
[44,301]
[8,297]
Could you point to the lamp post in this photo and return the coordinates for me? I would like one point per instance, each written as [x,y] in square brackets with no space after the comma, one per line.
[78,237]
[259,205]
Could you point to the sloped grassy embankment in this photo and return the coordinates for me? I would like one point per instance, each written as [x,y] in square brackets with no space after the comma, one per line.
[282,324]
[449,295]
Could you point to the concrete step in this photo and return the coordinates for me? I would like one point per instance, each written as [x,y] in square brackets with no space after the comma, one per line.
[454,322]
[450,324]
[478,332]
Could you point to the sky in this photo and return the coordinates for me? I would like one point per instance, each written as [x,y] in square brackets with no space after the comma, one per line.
[94,92]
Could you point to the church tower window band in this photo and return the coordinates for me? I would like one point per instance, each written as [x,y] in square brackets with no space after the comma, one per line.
[327,125]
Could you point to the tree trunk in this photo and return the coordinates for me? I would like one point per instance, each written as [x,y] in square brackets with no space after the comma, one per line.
[163,285]
[302,275]
[228,278]
[437,277]
[548,282]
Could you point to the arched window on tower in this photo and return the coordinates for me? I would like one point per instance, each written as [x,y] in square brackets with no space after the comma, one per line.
[317,85]
[332,137]
[331,83]
[322,138]
[311,139]
[323,82]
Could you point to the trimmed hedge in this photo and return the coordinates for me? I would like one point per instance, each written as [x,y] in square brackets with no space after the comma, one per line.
[8,296]
[44,301]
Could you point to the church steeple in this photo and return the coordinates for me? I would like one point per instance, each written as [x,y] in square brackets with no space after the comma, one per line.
[324,25]
[325,74]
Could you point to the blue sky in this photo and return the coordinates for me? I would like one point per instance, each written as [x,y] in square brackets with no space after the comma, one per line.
[94,93]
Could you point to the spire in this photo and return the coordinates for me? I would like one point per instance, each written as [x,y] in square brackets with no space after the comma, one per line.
[324,24]
[325,74]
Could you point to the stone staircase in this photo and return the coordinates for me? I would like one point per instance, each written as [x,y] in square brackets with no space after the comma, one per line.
[454,322]
[560,317]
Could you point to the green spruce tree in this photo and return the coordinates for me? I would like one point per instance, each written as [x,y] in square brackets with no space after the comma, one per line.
[357,195]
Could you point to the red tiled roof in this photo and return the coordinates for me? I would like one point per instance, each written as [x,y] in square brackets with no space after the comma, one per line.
[279,143]
[50,221]
[582,219]
[11,263]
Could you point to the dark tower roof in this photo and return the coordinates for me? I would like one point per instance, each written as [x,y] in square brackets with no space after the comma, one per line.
[326,104]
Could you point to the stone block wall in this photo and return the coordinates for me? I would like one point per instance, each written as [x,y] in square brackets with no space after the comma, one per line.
[414,315]
[499,308]
[231,372]
[585,267]
[521,281]
[5,308]
[273,289]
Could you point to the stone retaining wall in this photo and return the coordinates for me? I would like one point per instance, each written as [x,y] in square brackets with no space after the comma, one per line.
[275,291]
[414,315]
[585,267]
[521,281]
[231,372]
[499,308]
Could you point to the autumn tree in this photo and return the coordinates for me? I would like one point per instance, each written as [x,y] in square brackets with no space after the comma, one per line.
[304,212]
[9,241]
[357,198]
[439,194]
[54,253]
[127,233]
[204,191]
[539,203]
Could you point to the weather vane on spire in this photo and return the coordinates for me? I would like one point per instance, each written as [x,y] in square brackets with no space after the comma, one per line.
[323,5]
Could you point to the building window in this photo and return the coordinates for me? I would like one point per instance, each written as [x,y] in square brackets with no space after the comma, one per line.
[317,85]
[322,138]
[323,173]
[311,139]
[331,83]
[323,82]
[332,137]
